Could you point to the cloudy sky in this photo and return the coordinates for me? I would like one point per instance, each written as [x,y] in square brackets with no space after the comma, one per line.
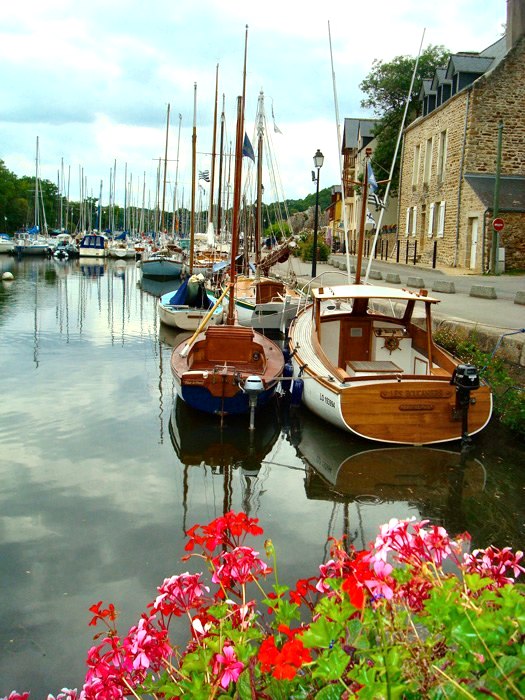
[92,80]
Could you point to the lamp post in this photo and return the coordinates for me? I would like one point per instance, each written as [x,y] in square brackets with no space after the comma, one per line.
[318,163]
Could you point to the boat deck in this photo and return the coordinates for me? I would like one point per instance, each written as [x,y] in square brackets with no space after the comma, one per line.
[305,349]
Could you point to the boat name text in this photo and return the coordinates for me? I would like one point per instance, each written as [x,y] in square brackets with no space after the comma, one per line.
[416,394]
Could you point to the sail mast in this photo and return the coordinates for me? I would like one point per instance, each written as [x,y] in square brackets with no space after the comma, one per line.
[219,189]
[393,164]
[237,188]
[193,175]
[165,169]
[213,153]
[340,150]
[258,219]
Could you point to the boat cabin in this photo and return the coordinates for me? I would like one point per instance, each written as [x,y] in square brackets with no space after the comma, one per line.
[368,330]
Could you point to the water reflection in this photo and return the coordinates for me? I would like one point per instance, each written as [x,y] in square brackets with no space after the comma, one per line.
[102,472]
[222,451]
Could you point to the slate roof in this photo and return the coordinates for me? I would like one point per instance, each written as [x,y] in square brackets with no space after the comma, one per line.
[439,78]
[352,128]
[511,190]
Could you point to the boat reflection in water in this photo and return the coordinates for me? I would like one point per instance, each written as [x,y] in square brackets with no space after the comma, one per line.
[223,452]
[439,484]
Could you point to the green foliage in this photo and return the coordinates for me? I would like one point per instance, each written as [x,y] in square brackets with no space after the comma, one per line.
[278,231]
[386,88]
[306,246]
[509,399]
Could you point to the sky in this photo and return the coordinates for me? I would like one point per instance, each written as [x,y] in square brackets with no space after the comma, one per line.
[92,80]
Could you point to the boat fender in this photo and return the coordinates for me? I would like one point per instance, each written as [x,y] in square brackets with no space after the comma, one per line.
[287,355]
[297,392]
[286,383]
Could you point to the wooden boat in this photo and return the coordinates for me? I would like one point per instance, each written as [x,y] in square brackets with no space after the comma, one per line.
[187,306]
[228,369]
[370,368]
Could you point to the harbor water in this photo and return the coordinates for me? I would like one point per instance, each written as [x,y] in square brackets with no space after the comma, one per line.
[103,470]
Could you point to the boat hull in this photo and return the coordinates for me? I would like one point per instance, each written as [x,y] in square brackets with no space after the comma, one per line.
[186,318]
[161,269]
[398,411]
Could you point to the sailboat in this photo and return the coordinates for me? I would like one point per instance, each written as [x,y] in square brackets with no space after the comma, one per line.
[188,306]
[264,302]
[32,242]
[368,364]
[229,369]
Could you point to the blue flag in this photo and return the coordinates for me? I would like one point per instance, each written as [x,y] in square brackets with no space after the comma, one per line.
[247,149]
[371,178]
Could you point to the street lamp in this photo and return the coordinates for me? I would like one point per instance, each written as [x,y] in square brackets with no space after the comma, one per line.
[318,163]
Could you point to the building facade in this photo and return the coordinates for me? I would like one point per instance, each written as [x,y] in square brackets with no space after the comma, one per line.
[463,160]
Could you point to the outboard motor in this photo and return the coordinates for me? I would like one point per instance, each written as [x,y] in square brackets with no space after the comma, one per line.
[466,379]
[253,386]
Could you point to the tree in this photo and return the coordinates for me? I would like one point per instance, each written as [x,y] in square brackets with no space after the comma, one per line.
[386,88]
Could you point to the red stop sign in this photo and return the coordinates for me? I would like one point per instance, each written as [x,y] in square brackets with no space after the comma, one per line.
[498,224]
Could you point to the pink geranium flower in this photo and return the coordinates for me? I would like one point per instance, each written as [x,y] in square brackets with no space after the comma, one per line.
[227,666]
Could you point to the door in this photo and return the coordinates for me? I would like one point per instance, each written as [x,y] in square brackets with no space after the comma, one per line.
[473,242]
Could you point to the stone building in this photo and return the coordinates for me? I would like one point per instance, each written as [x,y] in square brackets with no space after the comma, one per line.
[450,185]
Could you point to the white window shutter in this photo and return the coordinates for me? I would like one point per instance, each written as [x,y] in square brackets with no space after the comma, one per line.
[407,227]
[430,220]
[414,221]
[441,220]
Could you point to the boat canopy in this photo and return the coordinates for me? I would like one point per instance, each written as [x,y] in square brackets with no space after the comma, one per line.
[364,291]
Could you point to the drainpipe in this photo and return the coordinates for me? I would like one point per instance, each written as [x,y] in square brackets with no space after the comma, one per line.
[461,162]
[495,208]
[484,268]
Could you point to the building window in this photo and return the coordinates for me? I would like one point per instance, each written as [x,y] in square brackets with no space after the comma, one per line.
[428,162]
[442,156]
[414,220]
[441,220]
[415,171]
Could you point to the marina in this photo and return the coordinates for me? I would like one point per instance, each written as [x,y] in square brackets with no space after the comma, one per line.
[103,468]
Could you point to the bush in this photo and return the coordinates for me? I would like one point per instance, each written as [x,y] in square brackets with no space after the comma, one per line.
[306,247]
[387,622]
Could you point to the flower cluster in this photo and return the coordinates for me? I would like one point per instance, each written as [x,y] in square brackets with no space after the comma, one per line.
[384,622]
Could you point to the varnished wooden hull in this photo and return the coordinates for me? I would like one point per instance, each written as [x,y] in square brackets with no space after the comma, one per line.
[419,412]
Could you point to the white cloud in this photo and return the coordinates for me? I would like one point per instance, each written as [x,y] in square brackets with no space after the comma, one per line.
[93,80]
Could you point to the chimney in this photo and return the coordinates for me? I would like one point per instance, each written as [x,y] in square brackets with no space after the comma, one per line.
[515,22]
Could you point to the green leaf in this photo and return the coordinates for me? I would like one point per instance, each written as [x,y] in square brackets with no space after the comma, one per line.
[322,633]
[330,692]
[331,664]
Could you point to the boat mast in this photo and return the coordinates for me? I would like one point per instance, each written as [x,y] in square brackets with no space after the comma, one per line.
[213,153]
[258,217]
[230,320]
[393,164]
[36,217]
[175,208]
[165,169]
[193,175]
[364,189]
[219,189]
[341,168]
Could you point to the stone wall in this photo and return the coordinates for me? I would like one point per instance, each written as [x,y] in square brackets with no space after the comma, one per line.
[470,119]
